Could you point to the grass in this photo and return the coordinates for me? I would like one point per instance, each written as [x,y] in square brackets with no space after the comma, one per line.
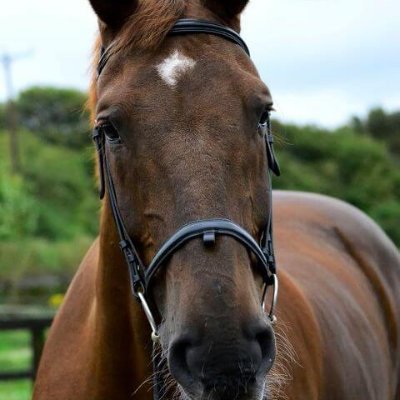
[18,390]
[15,355]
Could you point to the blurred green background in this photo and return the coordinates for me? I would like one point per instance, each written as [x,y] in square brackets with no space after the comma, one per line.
[49,204]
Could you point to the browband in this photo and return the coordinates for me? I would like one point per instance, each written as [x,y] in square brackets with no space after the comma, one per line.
[186,26]
[194,26]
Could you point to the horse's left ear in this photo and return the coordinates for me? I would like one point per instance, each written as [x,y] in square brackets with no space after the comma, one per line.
[114,13]
[226,9]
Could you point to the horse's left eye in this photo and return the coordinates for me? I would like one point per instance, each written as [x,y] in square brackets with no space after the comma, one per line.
[111,133]
[263,123]
[264,117]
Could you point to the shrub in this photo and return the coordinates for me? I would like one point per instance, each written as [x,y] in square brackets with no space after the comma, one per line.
[55,115]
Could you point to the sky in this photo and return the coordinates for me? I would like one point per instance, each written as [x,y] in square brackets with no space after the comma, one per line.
[323,60]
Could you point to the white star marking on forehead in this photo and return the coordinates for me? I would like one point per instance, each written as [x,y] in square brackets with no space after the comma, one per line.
[174,66]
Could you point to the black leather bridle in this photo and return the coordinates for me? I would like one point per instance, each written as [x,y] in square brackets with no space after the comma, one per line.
[208,230]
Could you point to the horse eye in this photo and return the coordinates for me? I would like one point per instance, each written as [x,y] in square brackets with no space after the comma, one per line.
[264,117]
[263,123]
[111,133]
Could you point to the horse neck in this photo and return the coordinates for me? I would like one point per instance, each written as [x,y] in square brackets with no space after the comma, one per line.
[121,329]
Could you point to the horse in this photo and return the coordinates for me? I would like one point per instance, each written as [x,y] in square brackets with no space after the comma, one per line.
[180,124]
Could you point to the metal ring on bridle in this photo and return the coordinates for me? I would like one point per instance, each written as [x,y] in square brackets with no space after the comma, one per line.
[275,285]
[155,337]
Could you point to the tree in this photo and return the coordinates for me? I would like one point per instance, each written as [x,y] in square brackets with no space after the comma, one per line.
[382,126]
[55,115]
[2,116]
[343,164]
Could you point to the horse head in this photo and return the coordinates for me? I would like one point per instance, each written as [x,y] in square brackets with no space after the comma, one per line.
[181,122]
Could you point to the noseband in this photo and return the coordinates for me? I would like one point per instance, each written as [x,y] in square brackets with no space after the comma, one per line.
[207,230]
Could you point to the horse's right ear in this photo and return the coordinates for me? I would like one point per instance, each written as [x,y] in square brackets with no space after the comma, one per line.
[114,13]
[226,9]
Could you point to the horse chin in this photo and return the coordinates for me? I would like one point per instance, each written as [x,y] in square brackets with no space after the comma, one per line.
[255,395]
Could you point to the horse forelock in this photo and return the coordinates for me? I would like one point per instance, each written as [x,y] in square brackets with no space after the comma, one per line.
[149,24]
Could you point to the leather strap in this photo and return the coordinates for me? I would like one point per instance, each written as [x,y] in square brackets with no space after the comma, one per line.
[133,261]
[208,230]
[196,26]
[185,26]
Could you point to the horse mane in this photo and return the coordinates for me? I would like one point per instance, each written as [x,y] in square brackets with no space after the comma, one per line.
[144,30]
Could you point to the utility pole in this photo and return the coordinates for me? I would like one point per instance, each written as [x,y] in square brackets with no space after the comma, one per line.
[11,110]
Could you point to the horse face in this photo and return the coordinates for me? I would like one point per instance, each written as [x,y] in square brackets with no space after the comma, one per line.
[183,143]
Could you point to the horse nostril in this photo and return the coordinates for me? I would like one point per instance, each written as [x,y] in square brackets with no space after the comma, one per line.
[178,364]
[265,338]
[260,335]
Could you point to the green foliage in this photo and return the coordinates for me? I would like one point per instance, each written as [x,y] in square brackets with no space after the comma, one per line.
[16,390]
[55,115]
[50,211]
[41,257]
[382,126]
[2,116]
[343,164]
[18,212]
[14,351]
[15,355]
[55,196]
[43,268]
[388,215]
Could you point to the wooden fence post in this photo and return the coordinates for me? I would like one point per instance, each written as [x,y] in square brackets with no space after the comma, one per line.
[37,340]
[36,325]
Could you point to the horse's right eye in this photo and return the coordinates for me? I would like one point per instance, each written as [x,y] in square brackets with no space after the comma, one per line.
[111,133]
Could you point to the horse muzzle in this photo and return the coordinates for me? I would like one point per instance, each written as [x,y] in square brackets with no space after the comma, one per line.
[224,367]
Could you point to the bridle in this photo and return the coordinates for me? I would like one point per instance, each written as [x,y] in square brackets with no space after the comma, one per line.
[141,277]
[186,26]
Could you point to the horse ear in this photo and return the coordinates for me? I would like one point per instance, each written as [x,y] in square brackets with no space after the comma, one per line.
[226,9]
[114,13]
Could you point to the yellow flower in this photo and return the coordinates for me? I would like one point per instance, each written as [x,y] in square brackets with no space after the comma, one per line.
[55,300]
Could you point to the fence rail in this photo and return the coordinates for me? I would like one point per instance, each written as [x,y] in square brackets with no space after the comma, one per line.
[36,324]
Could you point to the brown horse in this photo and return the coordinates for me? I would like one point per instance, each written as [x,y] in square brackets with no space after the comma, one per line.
[181,116]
